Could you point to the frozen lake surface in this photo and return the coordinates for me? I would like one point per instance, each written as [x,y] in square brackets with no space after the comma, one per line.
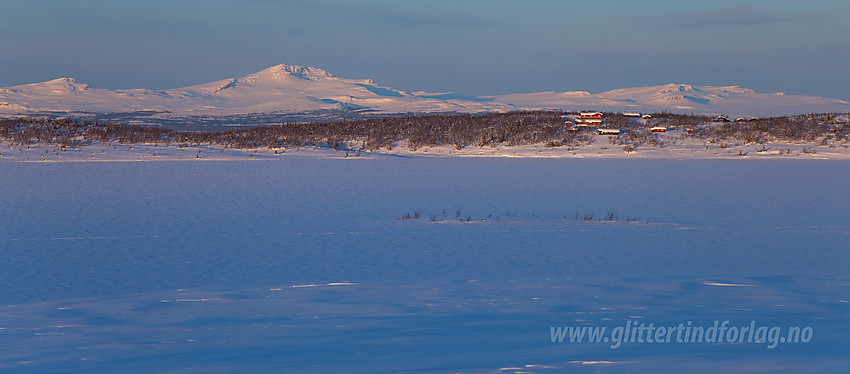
[303,265]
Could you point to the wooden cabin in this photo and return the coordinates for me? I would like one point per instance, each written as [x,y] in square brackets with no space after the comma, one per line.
[590,115]
[589,122]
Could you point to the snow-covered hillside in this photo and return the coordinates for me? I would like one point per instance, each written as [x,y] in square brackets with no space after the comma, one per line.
[280,88]
[294,89]
[682,98]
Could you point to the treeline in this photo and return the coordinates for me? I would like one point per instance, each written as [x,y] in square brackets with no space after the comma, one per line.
[458,130]
[820,128]
[803,128]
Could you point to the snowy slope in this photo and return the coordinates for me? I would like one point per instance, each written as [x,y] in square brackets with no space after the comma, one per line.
[288,88]
[280,88]
[683,98]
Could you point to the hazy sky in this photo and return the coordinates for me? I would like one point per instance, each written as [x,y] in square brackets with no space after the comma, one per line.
[472,47]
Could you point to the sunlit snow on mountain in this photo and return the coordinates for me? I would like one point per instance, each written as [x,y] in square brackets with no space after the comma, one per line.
[288,89]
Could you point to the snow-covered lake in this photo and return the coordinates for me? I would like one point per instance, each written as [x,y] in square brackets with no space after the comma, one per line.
[304,265]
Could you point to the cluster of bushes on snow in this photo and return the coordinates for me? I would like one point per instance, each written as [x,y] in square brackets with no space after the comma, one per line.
[804,128]
[456,130]
[457,216]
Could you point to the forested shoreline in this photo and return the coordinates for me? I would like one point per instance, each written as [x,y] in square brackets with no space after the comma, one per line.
[550,128]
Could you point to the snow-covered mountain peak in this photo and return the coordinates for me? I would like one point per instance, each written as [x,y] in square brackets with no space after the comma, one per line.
[64,84]
[677,88]
[283,71]
[294,88]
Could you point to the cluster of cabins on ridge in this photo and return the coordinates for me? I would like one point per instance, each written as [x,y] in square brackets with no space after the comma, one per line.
[591,120]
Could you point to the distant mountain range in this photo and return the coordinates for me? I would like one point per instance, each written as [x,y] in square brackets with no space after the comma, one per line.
[287,89]
[682,98]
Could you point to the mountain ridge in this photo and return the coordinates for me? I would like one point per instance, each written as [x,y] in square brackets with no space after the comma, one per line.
[293,88]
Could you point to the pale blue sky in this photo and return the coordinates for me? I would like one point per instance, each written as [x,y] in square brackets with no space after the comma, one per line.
[472,47]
